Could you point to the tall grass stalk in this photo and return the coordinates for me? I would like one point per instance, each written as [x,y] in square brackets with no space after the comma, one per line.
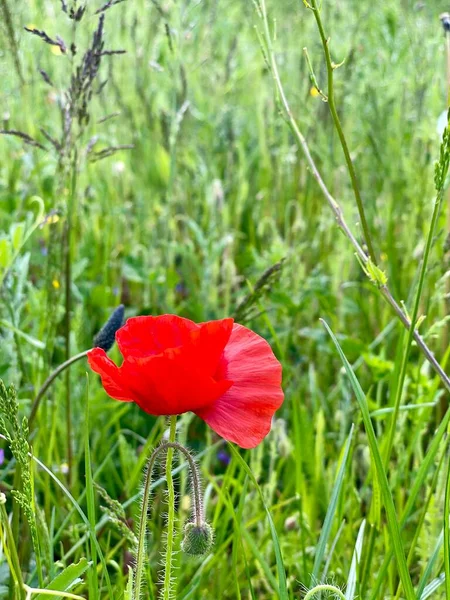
[330,99]
[440,177]
[8,22]
[393,523]
[375,275]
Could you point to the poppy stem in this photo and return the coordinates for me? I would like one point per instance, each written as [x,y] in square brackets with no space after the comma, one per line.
[198,510]
[171,511]
[140,551]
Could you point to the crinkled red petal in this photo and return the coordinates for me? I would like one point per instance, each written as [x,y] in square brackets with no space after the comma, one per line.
[170,384]
[148,336]
[113,381]
[244,413]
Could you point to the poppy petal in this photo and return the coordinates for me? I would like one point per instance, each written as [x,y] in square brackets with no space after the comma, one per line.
[112,377]
[148,336]
[244,413]
[170,384]
[209,343]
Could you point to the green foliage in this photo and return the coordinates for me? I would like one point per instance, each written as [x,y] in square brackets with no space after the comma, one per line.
[117,516]
[214,212]
[16,435]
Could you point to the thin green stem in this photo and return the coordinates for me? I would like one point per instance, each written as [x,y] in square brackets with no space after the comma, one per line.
[197,501]
[12,38]
[413,493]
[16,577]
[68,242]
[171,512]
[140,552]
[337,123]
[142,531]
[324,588]
[413,320]
[47,383]
[423,515]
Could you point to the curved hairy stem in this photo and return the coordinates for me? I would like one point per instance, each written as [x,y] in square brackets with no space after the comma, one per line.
[140,552]
[171,512]
[198,509]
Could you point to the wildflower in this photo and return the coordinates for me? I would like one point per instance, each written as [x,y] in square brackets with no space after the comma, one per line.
[224,457]
[223,372]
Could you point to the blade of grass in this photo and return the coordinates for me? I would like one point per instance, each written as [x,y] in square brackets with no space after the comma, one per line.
[414,492]
[447,535]
[282,591]
[393,524]
[430,565]
[331,511]
[432,587]
[353,575]
[90,501]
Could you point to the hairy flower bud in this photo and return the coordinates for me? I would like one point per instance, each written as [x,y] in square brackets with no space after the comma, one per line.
[198,539]
[105,338]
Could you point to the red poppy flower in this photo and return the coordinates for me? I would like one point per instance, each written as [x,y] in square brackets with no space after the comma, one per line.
[221,371]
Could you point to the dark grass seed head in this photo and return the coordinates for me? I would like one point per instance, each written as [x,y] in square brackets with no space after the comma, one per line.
[106,337]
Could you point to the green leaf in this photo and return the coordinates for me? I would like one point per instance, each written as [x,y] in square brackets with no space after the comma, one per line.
[30,339]
[129,590]
[432,587]
[90,501]
[67,578]
[352,576]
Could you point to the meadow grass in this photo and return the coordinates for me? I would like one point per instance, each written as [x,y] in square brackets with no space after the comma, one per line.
[179,202]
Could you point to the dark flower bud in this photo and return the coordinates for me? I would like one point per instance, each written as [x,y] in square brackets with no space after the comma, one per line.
[445,20]
[198,539]
[105,338]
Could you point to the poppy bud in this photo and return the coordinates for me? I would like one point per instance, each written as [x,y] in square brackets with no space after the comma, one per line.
[105,338]
[198,539]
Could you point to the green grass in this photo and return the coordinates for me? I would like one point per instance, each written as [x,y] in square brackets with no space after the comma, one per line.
[351,488]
